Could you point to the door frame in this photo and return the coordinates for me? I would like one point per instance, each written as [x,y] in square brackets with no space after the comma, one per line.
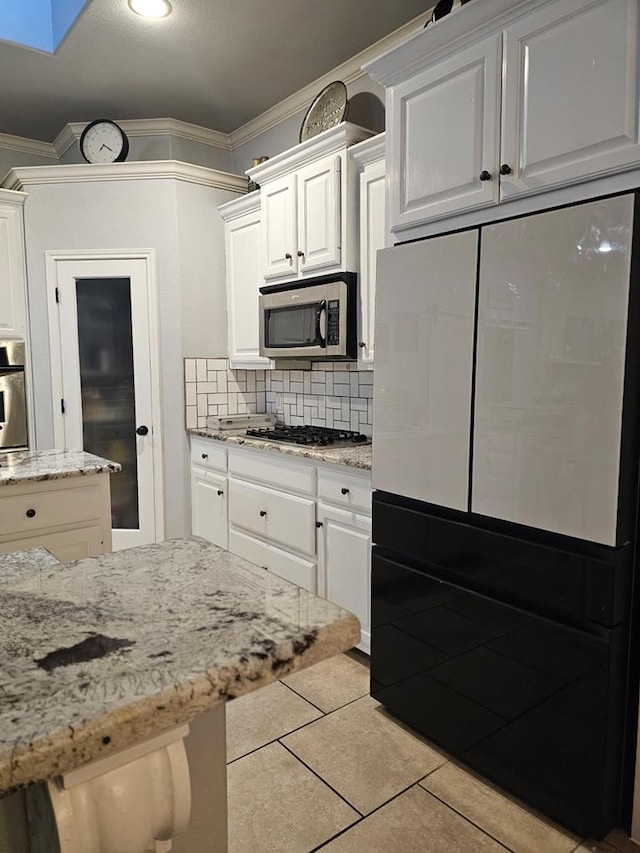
[52,258]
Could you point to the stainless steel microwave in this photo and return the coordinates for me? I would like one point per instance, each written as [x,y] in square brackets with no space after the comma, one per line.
[13,403]
[313,319]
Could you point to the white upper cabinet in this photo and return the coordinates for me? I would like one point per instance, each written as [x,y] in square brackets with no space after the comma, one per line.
[13,298]
[319,215]
[370,157]
[309,206]
[570,107]
[443,139]
[503,99]
[242,222]
[280,229]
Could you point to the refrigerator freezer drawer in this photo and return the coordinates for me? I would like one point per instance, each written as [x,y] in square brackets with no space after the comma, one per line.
[553,575]
[533,705]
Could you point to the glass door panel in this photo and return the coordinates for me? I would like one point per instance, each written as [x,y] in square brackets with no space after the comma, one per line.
[105,348]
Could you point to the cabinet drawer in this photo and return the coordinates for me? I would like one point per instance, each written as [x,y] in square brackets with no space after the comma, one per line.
[209,454]
[273,470]
[346,490]
[31,511]
[65,545]
[288,566]
[286,519]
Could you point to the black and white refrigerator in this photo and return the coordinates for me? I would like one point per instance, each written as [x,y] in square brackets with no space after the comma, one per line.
[505,475]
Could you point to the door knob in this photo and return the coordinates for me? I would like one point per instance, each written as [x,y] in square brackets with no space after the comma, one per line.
[143,430]
[485,176]
[505,169]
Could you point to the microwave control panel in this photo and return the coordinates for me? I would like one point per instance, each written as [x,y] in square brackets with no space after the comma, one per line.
[333,323]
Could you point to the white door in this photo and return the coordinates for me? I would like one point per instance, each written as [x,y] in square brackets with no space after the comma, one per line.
[106,405]
[570,107]
[444,134]
[425,312]
[319,216]
[344,564]
[279,228]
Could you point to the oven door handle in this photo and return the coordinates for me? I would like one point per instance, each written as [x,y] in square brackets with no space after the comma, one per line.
[322,306]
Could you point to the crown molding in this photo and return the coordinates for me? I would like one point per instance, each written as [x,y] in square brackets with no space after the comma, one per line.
[72,132]
[240,206]
[28,146]
[369,150]
[12,197]
[140,170]
[348,72]
[330,141]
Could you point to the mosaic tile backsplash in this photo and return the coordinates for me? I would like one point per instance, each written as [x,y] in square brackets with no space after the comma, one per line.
[333,394]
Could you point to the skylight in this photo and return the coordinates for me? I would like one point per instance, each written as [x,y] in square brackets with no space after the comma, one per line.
[40,24]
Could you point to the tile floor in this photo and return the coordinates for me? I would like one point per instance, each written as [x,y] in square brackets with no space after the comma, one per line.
[314,763]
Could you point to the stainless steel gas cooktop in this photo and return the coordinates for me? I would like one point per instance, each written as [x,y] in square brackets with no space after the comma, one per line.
[309,435]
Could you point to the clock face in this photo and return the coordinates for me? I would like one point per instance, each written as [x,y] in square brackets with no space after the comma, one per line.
[103,141]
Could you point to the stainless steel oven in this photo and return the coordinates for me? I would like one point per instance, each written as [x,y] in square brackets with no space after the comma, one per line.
[13,400]
[313,319]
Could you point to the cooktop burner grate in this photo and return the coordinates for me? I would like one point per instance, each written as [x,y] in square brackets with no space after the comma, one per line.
[309,435]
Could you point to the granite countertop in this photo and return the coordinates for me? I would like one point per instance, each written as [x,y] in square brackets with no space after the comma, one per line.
[108,651]
[39,465]
[16,563]
[352,455]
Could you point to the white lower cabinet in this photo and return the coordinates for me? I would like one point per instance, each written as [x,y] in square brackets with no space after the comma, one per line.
[285,519]
[209,506]
[288,566]
[344,563]
[307,523]
[71,517]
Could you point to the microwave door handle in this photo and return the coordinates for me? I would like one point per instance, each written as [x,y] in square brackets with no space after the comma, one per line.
[322,306]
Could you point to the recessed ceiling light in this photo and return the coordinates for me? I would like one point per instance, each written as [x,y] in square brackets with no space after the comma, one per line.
[151,8]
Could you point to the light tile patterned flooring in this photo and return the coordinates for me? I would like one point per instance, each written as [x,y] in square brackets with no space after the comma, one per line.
[316,764]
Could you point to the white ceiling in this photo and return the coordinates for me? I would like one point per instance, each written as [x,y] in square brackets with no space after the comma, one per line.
[215,63]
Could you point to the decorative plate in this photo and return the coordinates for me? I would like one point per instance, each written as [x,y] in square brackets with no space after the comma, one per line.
[327,109]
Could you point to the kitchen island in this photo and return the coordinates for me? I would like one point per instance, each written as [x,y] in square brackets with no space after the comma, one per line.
[106,661]
[57,499]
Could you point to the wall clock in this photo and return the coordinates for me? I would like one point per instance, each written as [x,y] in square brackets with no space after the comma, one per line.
[103,141]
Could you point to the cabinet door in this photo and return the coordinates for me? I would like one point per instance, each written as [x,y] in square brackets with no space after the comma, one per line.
[319,215]
[425,308]
[279,228]
[285,519]
[12,273]
[552,326]
[570,107]
[444,133]
[244,276]
[209,507]
[373,236]
[344,559]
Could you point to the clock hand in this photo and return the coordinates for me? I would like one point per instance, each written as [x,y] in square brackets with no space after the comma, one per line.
[107,147]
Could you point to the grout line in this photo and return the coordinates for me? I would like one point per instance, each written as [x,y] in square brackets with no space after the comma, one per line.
[276,739]
[324,781]
[468,820]
[325,713]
